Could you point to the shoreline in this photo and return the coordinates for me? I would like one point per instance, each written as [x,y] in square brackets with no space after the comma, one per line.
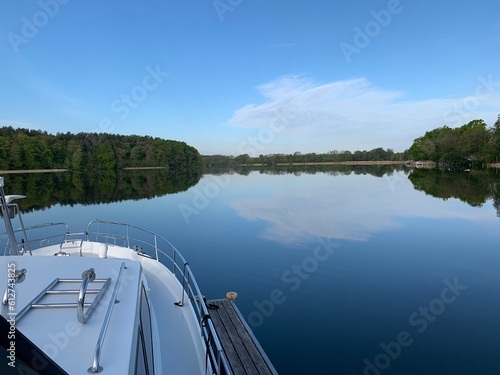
[14,171]
[56,170]
[131,168]
[360,162]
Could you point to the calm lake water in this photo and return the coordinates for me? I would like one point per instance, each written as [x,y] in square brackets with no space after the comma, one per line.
[337,273]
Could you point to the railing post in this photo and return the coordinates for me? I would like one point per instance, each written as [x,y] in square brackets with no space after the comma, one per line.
[128,239]
[156,247]
[8,225]
[181,302]
[174,268]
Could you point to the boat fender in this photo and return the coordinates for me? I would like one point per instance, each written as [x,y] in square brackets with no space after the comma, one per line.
[231,295]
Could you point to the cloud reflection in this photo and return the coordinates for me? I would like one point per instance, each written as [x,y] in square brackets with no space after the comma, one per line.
[346,208]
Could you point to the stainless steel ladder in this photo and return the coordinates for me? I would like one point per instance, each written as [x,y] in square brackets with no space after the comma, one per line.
[88,276]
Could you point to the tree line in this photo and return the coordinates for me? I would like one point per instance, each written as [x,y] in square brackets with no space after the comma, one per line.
[469,144]
[272,160]
[35,149]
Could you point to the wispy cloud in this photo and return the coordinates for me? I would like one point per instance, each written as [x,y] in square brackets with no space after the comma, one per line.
[355,112]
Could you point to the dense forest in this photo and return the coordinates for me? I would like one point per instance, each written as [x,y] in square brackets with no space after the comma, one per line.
[471,144]
[35,149]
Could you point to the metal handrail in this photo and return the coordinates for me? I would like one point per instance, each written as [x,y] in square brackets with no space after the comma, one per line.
[97,352]
[4,209]
[34,243]
[66,240]
[88,276]
[217,357]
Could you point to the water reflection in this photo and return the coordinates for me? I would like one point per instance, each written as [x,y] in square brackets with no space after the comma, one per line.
[471,187]
[44,190]
[342,169]
[357,207]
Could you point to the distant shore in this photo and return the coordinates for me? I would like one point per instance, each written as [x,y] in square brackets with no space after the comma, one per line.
[13,171]
[361,162]
[365,162]
[145,168]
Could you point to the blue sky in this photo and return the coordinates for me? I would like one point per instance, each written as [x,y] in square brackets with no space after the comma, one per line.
[251,76]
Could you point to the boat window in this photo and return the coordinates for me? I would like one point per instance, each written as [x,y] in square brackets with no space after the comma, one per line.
[145,358]
[140,366]
[16,350]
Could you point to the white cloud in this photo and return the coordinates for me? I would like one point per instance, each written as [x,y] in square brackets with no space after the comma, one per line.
[355,114]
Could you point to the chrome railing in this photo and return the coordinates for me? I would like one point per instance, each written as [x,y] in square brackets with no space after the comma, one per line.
[97,351]
[147,243]
[36,236]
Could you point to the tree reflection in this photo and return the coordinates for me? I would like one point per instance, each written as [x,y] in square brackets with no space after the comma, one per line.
[44,190]
[471,187]
[377,170]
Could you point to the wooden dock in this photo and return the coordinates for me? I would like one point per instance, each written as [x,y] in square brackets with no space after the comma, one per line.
[242,349]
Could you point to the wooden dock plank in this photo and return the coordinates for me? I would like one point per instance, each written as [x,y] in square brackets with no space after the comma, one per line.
[226,343]
[259,362]
[243,353]
[237,342]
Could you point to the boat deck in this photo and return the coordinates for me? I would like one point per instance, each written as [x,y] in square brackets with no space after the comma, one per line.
[243,351]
